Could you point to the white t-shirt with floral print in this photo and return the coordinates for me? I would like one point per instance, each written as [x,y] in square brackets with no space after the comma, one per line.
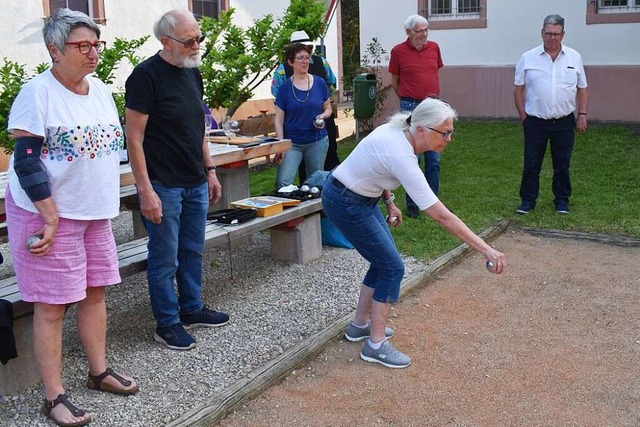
[81,149]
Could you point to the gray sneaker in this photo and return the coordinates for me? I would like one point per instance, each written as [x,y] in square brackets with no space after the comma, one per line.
[353,333]
[386,355]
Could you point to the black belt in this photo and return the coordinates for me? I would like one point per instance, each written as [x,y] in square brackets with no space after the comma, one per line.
[340,186]
[337,183]
[551,120]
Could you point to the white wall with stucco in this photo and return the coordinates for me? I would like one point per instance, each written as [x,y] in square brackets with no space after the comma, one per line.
[21,28]
[513,26]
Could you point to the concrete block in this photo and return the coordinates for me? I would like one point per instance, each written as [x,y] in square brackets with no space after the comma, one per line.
[299,244]
[235,185]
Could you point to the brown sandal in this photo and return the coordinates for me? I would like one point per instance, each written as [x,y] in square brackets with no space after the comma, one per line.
[95,383]
[76,412]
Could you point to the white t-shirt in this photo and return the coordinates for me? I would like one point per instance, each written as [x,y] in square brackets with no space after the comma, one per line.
[81,149]
[384,159]
[550,86]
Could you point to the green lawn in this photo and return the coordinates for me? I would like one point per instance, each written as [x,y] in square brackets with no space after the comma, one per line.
[480,178]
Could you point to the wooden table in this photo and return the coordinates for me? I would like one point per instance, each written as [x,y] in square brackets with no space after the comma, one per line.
[233,171]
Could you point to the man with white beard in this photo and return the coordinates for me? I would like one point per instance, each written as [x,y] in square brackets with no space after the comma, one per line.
[175,176]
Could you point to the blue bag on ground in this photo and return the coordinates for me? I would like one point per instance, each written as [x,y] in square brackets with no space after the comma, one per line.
[331,236]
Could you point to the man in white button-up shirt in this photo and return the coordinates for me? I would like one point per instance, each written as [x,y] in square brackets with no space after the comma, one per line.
[550,81]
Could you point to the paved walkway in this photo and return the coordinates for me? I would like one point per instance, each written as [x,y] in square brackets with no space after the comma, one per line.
[345,121]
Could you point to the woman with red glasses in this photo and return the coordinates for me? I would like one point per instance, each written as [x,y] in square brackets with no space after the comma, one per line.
[64,185]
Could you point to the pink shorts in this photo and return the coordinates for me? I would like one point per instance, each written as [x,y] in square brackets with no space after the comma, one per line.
[84,254]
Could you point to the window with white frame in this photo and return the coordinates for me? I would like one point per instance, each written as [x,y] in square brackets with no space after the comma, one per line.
[613,12]
[453,9]
[454,14]
[83,6]
[210,8]
[618,6]
[92,8]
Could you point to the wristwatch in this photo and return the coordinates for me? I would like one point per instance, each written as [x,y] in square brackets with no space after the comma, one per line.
[389,200]
[208,169]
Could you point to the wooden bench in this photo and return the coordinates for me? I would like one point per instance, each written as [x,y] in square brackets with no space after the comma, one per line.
[295,237]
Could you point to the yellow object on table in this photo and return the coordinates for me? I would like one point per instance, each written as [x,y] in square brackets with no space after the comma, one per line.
[265,205]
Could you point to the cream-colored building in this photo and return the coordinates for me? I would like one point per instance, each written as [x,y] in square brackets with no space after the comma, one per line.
[481,41]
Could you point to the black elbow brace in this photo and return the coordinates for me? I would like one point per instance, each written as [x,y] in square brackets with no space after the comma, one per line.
[31,172]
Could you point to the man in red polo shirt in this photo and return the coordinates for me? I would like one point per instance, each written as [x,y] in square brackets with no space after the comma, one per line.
[414,66]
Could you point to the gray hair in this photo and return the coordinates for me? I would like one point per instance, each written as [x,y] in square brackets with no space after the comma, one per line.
[167,24]
[553,20]
[58,26]
[431,112]
[414,20]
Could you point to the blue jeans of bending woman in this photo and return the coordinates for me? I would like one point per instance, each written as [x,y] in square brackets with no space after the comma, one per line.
[314,155]
[360,220]
[175,249]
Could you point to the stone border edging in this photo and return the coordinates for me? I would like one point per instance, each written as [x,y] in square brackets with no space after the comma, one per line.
[600,238]
[256,382]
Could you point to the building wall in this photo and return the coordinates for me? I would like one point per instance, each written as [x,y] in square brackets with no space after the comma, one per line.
[21,24]
[479,63]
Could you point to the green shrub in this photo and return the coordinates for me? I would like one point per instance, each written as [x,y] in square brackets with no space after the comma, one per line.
[12,77]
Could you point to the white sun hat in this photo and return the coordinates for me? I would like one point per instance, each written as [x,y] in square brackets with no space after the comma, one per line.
[299,37]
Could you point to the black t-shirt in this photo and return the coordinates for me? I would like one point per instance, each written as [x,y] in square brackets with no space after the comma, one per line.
[172,97]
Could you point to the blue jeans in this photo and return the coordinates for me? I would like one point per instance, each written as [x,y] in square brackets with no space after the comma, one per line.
[360,220]
[314,155]
[175,251]
[561,134]
[431,159]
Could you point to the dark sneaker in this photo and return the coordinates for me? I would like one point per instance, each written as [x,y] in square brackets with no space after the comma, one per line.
[205,317]
[413,212]
[386,355]
[353,333]
[562,207]
[174,337]
[525,208]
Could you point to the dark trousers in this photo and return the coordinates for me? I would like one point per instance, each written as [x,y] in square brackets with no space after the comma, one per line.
[332,153]
[561,133]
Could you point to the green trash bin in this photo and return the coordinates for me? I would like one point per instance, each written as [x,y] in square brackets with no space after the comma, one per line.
[364,95]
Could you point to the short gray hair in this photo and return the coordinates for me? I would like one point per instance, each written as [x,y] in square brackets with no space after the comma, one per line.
[58,26]
[414,20]
[553,20]
[167,24]
[431,112]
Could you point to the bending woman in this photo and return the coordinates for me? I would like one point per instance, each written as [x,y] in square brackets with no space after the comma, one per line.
[300,102]
[383,161]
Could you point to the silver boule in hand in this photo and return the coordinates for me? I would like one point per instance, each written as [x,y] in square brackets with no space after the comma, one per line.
[33,239]
[319,122]
[491,267]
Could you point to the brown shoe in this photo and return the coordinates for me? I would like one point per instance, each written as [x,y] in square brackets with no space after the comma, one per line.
[76,412]
[95,383]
